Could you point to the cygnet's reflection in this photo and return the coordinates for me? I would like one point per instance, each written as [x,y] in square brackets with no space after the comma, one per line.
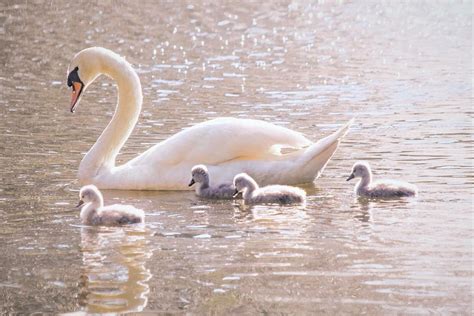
[114,277]
[367,207]
[273,217]
[364,213]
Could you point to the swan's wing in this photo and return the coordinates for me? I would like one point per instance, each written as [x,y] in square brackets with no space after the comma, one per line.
[224,139]
[120,214]
[124,208]
[281,189]
[391,187]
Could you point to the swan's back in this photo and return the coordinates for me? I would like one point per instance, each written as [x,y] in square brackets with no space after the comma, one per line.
[278,194]
[236,138]
[223,191]
[390,188]
[118,214]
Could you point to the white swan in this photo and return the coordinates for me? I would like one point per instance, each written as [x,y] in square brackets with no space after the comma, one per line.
[275,194]
[226,145]
[381,188]
[93,211]
[200,177]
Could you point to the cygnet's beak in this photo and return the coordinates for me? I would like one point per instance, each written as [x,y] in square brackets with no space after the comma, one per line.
[191,183]
[81,202]
[236,192]
[350,177]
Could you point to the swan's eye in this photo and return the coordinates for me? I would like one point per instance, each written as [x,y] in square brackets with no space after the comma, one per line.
[73,77]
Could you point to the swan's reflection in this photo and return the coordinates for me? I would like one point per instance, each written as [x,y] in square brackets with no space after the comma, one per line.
[367,207]
[273,217]
[378,212]
[364,213]
[114,277]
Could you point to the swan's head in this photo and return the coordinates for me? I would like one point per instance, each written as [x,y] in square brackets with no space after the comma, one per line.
[89,194]
[361,169]
[84,68]
[242,182]
[199,174]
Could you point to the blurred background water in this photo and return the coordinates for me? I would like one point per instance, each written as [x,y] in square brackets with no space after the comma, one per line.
[404,70]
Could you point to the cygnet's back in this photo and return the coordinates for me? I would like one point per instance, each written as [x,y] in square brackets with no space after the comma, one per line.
[386,188]
[272,194]
[94,212]
[200,177]
[280,194]
[391,188]
[119,214]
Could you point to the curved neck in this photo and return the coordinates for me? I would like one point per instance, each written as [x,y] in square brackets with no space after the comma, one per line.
[364,182]
[203,185]
[104,152]
[98,201]
[249,188]
[88,212]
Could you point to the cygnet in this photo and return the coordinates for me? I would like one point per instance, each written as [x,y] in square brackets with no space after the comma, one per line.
[93,211]
[277,194]
[200,177]
[381,188]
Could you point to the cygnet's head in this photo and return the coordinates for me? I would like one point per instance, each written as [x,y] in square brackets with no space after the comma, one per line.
[84,69]
[199,174]
[361,169]
[88,194]
[243,181]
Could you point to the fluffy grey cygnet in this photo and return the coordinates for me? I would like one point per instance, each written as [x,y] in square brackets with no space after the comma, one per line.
[93,211]
[200,177]
[380,188]
[271,194]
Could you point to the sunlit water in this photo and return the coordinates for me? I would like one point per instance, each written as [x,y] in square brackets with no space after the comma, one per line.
[403,70]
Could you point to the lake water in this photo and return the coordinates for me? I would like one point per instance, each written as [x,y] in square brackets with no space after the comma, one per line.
[403,70]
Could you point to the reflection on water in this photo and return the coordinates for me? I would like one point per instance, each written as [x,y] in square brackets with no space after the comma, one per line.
[403,69]
[114,277]
[291,219]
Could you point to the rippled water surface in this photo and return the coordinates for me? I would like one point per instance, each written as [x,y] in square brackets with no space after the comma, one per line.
[404,71]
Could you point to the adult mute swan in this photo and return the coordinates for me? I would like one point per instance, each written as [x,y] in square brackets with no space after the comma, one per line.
[227,146]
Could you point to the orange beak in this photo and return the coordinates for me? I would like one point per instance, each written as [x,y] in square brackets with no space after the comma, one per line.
[76,93]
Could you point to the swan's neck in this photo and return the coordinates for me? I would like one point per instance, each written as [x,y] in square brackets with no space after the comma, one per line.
[88,212]
[203,185]
[104,152]
[364,182]
[249,189]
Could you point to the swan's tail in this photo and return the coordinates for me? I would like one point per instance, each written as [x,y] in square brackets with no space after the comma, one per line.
[315,158]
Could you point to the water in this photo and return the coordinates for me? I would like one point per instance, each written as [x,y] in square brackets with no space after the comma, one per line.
[403,69]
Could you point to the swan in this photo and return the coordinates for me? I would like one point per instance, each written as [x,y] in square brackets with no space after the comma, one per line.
[381,188]
[226,145]
[93,211]
[200,176]
[277,194]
